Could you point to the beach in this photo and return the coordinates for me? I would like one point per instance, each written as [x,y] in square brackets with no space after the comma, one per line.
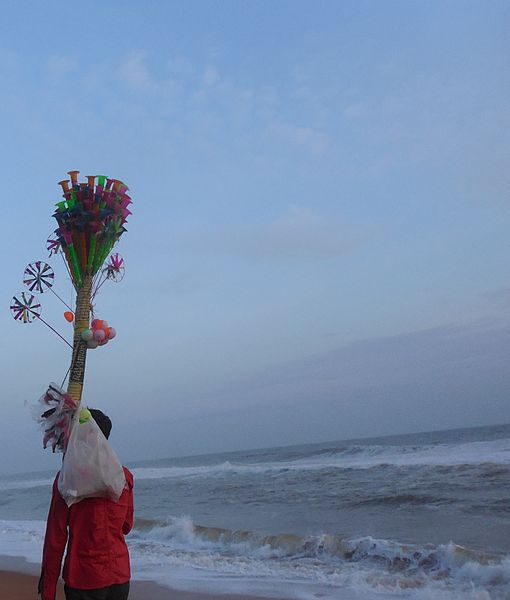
[417,516]
[20,586]
[18,581]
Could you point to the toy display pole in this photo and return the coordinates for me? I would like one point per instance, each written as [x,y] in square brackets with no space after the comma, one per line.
[82,316]
[91,219]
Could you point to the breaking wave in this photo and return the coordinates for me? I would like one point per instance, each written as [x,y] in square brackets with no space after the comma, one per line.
[375,564]
[182,554]
[493,453]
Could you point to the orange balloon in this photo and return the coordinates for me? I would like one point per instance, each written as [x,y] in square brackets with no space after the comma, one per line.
[69,316]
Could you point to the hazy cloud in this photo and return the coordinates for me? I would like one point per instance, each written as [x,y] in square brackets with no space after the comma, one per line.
[135,72]
[418,381]
[298,235]
[59,66]
[211,75]
[355,111]
[499,298]
[305,137]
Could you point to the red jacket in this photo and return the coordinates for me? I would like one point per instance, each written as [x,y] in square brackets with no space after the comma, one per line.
[94,530]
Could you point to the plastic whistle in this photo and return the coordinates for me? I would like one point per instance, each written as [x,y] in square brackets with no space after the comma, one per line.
[65,185]
[74,177]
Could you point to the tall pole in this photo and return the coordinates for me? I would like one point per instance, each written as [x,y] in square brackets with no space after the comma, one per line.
[81,322]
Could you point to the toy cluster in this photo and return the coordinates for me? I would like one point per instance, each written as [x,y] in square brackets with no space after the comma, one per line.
[99,334]
[90,219]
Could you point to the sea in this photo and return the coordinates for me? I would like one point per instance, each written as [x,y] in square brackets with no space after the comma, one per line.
[421,516]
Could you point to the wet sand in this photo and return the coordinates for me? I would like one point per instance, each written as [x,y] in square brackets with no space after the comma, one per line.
[19,586]
[18,581]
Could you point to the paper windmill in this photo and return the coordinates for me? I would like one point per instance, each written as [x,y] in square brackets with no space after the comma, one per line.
[25,307]
[53,245]
[38,277]
[115,268]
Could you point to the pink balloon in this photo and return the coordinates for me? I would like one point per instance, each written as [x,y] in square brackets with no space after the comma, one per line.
[99,335]
[111,333]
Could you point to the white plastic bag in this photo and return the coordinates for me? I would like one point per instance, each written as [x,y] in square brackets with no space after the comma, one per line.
[90,468]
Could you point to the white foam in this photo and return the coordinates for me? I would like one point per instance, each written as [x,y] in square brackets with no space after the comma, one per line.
[199,471]
[361,457]
[472,453]
[450,571]
[22,539]
[179,558]
[16,484]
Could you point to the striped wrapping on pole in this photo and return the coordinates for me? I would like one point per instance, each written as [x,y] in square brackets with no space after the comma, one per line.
[82,316]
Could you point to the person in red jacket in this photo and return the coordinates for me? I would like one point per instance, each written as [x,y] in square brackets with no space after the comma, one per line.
[96,566]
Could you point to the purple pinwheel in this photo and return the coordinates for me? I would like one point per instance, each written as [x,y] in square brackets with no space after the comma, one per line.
[25,307]
[115,267]
[53,245]
[38,277]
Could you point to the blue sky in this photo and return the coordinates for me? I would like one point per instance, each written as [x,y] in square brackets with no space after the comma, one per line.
[309,178]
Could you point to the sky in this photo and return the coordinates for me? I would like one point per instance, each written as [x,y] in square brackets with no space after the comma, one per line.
[319,242]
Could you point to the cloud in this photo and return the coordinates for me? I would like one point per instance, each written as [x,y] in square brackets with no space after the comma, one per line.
[211,109]
[181,67]
[306,137]
[58,66]
[299,235]
[498,298]
[134,72]
[354,111]
[451,376]
[211,75]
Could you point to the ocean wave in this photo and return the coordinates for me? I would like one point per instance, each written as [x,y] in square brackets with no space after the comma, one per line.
[401,500]
[183,531]
[223,468]
[182,554]
[13,484]
[494,454]
[379,565]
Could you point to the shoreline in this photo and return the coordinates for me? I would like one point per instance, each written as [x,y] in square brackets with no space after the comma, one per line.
[19,578]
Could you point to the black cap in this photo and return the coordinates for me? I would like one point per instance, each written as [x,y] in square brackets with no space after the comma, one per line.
[104,423]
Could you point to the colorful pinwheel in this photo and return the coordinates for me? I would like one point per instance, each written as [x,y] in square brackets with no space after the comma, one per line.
[115,268]
[38,277]
[53,246]
[25,307]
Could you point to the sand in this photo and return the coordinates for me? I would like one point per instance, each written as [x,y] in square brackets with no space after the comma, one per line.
[18,581]
[19,586]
